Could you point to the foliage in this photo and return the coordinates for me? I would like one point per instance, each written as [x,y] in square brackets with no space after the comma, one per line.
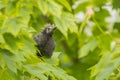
[87,39]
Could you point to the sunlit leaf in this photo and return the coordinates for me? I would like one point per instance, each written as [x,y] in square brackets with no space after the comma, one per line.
[12,25]
[10,8]
[69,21]
[100,17]
[99,3]
[90,46]
[82,6]
[10,40]
[5,72]
[36,71]
[42,69]
[104,61]
[105,42]
[54,8]
[54,60]
[65,3]
[61,26]
[2,17]
[1,5]
[9,59]
[43,6]
[107,71]
[1,39]
[27,46]
[65,23]
[50,6]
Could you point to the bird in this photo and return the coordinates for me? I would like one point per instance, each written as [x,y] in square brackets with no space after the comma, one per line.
[45,42]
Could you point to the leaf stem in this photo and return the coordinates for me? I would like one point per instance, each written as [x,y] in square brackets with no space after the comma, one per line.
[84,23]
[98,25]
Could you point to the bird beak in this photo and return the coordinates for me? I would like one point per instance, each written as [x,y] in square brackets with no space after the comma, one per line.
[54,28]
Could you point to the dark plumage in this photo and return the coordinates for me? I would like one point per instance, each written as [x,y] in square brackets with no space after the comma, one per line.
[45,42]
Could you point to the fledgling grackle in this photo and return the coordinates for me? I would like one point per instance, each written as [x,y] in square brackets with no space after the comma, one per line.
[45,42]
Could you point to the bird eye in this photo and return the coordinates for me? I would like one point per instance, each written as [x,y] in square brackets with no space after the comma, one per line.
[48,30]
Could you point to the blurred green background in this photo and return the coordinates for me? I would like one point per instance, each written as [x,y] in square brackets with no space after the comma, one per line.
[87,39]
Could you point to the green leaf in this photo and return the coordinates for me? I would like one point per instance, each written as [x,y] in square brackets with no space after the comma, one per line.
[37,20]
[9,59]
[25,14]
[106,65]
[105,42]
[69,21]
[5,72]
[43,6]
[65,22]
[25,8]
[104,61]
[10,9]
[41,70]
[99,3]
[107,71]
[100,17]
[26,45]
[2,18]
[54,8]
[90,46]
[50,6]
[36,71]
[115,4]
[12,25]
[116,26]
[1,39]
[82,6]
[61,26]
[65,3]
[2,61]
[10,40]
[1,5]
[54,60]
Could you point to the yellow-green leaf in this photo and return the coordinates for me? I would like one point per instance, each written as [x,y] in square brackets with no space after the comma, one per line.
[69,21]
[65,3]
[90,46]
[60,25]
[54,8]
[12,25]
[42,6]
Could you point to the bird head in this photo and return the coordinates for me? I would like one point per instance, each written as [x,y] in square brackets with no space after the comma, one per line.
[49,29]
